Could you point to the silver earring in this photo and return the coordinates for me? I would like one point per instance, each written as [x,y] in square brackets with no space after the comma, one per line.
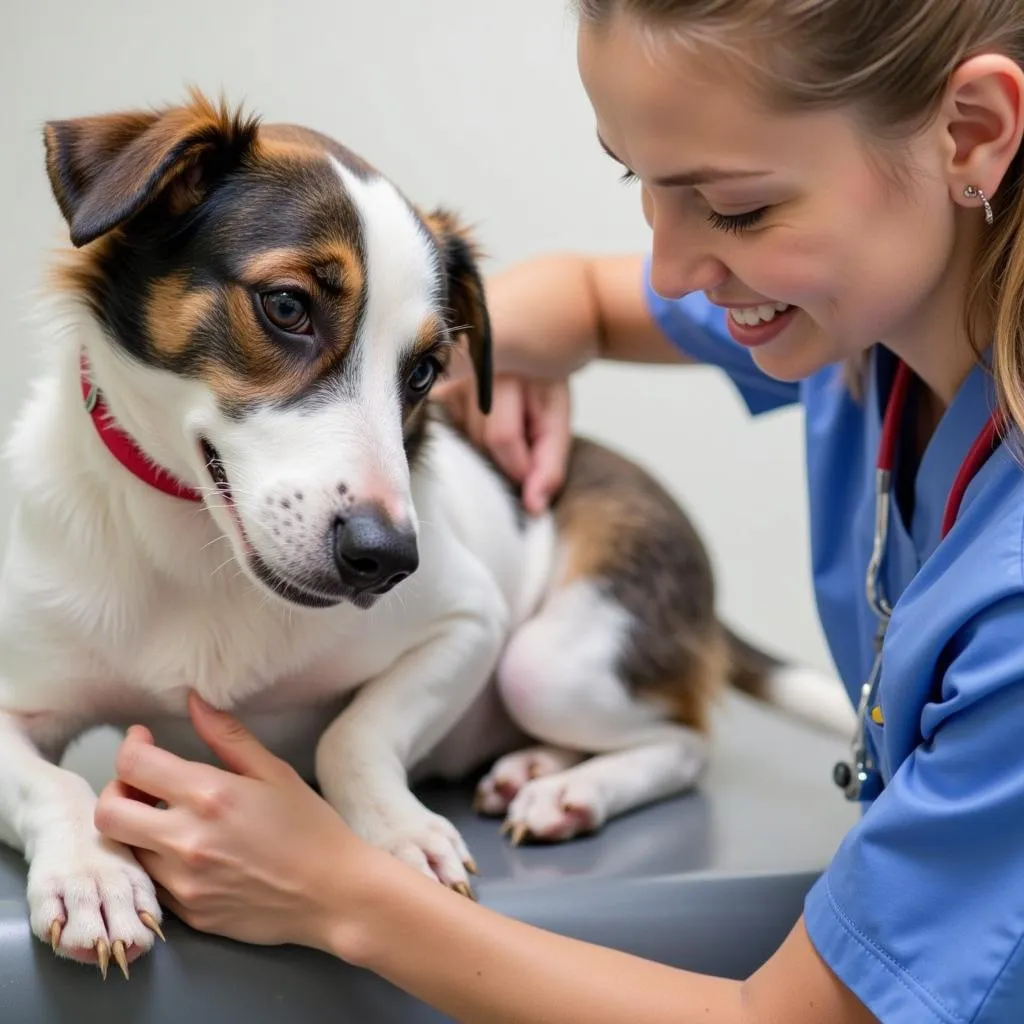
[973,192]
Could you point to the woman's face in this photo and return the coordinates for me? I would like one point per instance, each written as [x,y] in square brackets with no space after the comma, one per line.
[786,219]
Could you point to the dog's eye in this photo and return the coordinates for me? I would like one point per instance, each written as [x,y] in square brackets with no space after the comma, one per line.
[287,311]
[423,375]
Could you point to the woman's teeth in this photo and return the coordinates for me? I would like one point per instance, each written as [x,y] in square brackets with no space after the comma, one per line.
[751,316]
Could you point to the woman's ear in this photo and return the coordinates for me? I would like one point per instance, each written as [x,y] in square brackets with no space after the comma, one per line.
[983,111]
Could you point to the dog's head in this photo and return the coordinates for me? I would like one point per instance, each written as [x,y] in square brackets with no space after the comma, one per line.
[286,311]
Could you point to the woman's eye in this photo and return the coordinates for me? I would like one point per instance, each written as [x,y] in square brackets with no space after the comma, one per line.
[423,375]
[287,310]
[736,222]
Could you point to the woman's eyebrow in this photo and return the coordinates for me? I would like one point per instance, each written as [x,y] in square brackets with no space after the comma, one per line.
[697,176]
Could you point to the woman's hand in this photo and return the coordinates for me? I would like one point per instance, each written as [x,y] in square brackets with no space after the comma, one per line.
[527,433]
[252,853]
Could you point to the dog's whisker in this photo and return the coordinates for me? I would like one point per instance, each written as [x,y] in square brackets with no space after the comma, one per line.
[227,561]
[216,540]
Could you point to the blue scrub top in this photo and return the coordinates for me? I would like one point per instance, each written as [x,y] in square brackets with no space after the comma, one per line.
[921,912]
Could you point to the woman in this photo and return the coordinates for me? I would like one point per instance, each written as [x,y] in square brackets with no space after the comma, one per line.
[844,178]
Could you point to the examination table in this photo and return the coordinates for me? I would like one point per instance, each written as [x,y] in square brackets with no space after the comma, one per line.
[710,881]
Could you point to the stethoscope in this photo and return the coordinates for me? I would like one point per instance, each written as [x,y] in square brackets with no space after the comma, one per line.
[859,777]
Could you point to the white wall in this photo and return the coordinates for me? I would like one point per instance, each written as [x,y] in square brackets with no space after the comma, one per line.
[474,104]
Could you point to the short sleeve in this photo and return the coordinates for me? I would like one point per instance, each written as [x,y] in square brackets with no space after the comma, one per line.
[697,328]
[921,912]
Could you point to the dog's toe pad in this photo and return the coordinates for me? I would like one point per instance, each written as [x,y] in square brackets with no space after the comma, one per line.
[554,809]
[500,786]
[433,846]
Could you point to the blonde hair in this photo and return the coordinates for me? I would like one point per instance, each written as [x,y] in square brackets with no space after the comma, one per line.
[890,61]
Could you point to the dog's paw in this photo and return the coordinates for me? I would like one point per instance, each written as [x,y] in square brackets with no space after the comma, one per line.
[90,901]
[509,774]
[554,808]
[431,844]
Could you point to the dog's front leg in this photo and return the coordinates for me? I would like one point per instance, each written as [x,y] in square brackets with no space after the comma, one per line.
[364,756]
[88,898]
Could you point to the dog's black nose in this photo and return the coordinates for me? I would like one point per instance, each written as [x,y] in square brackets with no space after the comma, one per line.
[371,554]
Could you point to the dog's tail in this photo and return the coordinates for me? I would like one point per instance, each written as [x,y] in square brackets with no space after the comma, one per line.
[804,693]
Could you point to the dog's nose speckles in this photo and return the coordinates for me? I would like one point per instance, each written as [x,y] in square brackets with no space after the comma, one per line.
[292,515]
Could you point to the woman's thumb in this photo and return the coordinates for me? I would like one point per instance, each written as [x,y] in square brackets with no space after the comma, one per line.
[230,740]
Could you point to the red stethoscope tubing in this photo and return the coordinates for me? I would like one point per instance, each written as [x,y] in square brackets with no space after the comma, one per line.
[854,776]
[984,445]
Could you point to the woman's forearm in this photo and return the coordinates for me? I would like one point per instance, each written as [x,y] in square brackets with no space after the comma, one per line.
[552,315]
[480,967]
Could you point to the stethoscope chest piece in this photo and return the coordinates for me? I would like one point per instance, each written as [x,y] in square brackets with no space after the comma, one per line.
[859,778]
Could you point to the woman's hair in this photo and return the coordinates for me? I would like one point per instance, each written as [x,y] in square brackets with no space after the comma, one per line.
[889,61]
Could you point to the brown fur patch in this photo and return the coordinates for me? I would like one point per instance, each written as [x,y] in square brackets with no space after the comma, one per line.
[622,530]
[427,337]
[174,313]
[415,431]
[334,266]
[79,272]
[280,268]
[296,141]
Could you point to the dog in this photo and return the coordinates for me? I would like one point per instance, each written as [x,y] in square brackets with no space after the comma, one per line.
[230,476]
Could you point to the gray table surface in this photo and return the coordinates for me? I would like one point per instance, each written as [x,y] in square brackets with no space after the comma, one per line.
[710,881]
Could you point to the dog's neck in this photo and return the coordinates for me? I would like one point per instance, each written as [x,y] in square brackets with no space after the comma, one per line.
[124,448]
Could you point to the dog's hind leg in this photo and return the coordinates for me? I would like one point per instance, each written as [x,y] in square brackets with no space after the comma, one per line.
[88,898]
[622,660]
[561,679]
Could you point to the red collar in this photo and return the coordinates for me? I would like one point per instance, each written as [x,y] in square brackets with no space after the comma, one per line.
[124,449]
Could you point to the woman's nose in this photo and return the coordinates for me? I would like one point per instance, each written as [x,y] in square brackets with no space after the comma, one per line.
[681,262]
[677,271]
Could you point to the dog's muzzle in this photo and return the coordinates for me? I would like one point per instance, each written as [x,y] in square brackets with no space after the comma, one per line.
[371,554]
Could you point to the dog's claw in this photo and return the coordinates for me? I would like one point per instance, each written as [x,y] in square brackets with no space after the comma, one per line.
[150,922]
[464,889]
[121,957]
[103,956]
[519,833]
[471,867]
[55,931]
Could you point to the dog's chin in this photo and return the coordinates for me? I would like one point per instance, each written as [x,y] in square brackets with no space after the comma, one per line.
[259,570]
[295,593]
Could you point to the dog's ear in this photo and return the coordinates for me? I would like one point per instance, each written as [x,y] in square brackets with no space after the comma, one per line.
[105,169]
[466,303]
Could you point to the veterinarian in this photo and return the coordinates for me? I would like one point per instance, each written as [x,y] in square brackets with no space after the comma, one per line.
[844,177]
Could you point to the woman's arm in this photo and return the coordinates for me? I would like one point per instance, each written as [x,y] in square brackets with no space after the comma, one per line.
[254,854]
[552,315]
[480,967]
